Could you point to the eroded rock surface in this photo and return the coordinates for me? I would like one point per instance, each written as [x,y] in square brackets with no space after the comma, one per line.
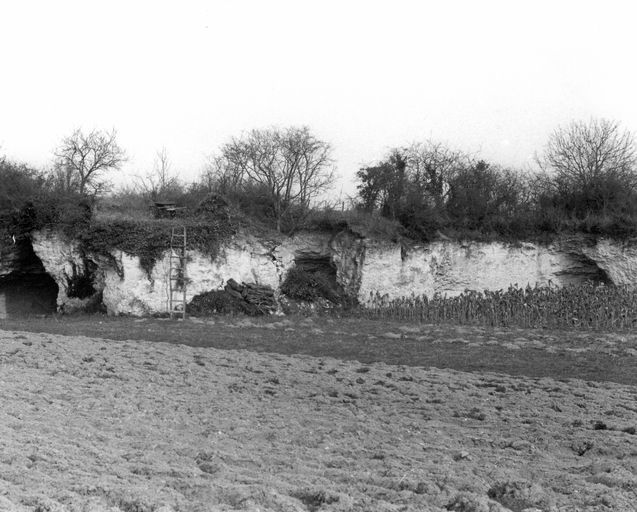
[69,266]
[450,268]
[364,268]
[617,259]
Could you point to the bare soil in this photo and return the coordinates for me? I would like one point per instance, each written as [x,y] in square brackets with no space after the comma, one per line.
[313,415]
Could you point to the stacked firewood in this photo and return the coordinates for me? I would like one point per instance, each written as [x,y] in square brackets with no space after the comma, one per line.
[258,299]
[250,299]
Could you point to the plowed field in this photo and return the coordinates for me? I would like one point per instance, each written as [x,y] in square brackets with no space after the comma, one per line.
[88,423]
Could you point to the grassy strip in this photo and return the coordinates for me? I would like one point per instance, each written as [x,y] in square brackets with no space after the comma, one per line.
[365,341]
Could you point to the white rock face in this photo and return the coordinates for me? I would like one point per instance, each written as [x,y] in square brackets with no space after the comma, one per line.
[244,259]
[365,268]
[450,268]
[617,259]
[62,260]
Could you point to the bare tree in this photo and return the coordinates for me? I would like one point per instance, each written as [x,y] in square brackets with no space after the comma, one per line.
[162,170]
[594,159]
[221,176]
[82,160]
[160,179]
[291,165]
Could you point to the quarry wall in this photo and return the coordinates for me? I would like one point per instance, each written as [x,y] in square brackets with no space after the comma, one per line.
[365,268]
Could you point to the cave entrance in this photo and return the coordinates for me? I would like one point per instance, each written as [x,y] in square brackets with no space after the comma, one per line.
[316,264]
[27,294]
[318,273]
[26,289]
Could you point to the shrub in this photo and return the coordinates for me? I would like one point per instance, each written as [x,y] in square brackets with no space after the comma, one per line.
[310,286]
[67,213]
[485,197]
[588,184]
[213,206]
[430,189]
[20,184]
[253,201]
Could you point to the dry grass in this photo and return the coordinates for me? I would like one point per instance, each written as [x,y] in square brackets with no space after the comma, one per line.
[587,306]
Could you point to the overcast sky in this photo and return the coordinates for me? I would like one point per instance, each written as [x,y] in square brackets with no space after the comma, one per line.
[482,76]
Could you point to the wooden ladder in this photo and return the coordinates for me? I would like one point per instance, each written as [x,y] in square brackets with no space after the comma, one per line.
[177,277]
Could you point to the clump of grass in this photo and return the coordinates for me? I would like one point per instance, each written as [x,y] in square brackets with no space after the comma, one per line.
[587,306]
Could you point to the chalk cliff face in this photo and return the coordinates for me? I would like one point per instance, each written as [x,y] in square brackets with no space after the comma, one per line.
[244,259]
[65,262]
[364,268]
[451,267]
[618,260]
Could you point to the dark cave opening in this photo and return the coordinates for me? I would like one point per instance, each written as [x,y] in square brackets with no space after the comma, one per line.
[26,288]
[27,294]
[313,276]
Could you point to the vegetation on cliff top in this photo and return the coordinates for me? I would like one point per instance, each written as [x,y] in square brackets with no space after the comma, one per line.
[586,182]
[100,231]
[270,180]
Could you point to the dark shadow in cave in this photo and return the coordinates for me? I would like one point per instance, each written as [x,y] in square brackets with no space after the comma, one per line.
[322,274]
[28,294]
[28,289]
